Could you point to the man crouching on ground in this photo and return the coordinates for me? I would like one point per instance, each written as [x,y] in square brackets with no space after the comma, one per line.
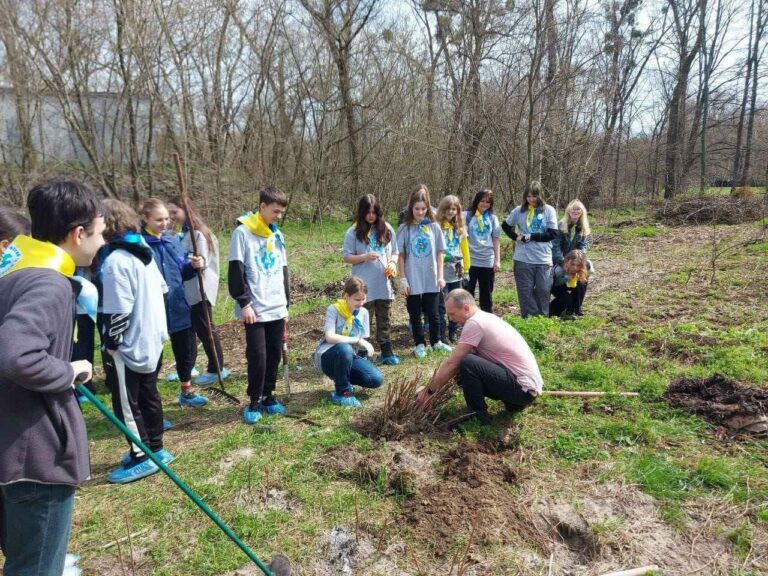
[43,446]
[492,360]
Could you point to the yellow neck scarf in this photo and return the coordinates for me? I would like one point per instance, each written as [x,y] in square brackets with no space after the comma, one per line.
[26,252]
[151,232]
[480,221]
[351,322]
[572,281]
[256,225]
[529,218]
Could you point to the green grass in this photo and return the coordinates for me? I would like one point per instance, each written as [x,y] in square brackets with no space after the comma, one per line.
[641,232]
[647,329]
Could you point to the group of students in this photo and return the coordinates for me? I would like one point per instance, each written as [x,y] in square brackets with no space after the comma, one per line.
[438,251]
[147,292]
[137,282]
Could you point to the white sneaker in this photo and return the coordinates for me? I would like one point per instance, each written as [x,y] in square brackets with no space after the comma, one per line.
[420,351]
[442,347]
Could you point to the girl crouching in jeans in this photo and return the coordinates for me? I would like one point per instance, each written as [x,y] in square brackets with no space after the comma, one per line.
[343,352]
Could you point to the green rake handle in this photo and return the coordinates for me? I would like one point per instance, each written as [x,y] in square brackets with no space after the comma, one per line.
[176,480]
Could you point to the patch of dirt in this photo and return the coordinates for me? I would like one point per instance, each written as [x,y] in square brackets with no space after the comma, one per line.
[616,526]
[348,551]
[400,467]
[135,561]
[723,402]
[255,501]
[227,463]
[472,501]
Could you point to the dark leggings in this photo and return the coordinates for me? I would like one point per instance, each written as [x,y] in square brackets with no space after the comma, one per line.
[184,347]
[484,277]
[263,350]
[201,329]
[567,300]
[136,402]
[452,327]
[426,304]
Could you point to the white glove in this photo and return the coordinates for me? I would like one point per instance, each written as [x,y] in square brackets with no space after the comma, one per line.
[365,345]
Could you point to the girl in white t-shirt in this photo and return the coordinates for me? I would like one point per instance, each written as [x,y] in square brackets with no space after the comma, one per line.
[371,247]
[421,246]
[343,353]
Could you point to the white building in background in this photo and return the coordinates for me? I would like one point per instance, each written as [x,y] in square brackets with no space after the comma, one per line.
[55,142]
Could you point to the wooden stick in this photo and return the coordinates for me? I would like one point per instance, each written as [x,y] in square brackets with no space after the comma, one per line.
[578,394]
[200,283]
[123,539]
[633,571]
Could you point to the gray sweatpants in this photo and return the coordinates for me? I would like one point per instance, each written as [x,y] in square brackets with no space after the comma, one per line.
[534,282]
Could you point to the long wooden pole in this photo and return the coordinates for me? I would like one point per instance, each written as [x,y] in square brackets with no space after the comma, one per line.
[634,571]
[580,394]
[200,283]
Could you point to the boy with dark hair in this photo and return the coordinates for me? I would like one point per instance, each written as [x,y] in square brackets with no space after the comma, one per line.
[134,332]
[43,444]
[258,281]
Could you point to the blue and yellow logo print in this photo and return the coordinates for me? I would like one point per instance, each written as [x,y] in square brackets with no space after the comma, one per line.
[537,224]
[484,235]
[268,258]
[373,243]
[421,247]
[10,257]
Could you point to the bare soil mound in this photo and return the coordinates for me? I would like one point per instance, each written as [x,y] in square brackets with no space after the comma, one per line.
[723,402]
[473,504]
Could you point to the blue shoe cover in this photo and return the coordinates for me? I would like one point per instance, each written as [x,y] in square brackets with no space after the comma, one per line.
[126,474]
[165,457]
[250,417]
[347,401]
[273,409]
[193,401]
[393,360]
[210,378]
[174,376]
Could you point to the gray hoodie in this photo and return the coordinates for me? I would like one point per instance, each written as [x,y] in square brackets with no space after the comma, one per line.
[42,431]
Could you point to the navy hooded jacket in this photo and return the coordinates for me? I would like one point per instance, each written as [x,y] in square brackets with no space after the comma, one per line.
[175,268]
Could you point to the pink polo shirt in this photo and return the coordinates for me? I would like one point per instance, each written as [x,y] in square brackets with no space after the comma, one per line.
[498,342]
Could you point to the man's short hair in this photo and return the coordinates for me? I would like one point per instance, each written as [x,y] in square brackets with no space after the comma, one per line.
[58,206]
[271,195]
[461,297]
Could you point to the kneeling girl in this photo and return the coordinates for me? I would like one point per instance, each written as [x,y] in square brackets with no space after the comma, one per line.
[343,353]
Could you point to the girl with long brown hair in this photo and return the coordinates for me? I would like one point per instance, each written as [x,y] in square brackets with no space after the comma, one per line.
[208,249]
[371,248]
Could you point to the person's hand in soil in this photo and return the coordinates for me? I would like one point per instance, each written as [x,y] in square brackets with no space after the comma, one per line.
[424,396]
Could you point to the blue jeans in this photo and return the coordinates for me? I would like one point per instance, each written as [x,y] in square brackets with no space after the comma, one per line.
[346,368]
[35,521]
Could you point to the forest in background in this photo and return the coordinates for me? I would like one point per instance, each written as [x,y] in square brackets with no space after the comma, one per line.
[620,103]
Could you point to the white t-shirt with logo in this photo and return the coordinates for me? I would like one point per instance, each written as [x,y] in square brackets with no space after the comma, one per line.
[264,259]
